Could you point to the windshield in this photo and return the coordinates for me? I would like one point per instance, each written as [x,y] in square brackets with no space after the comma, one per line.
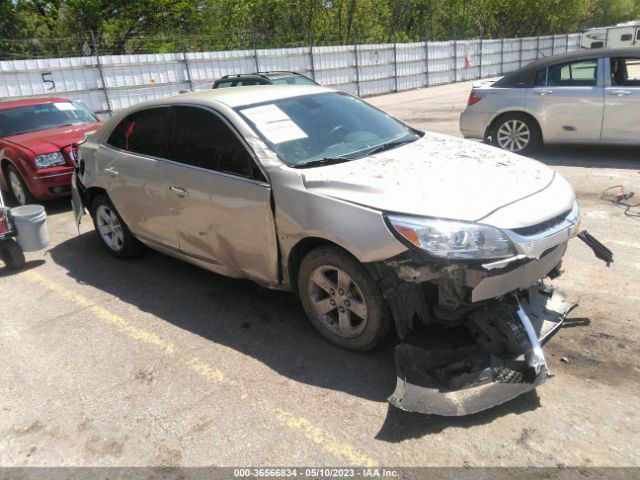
[32,118]
[324,126]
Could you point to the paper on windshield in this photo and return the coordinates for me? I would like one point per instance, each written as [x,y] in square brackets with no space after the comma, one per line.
[274,124]
[64,106]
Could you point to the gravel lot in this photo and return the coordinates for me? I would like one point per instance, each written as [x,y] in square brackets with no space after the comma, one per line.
[156,362]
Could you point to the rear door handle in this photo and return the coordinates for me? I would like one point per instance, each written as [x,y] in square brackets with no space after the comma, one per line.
[179,191]
[619,93]
[114,173]
[543,92]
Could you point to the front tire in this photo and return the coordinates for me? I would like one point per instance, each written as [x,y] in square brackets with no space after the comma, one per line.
[341,300]
[516,133]
[113,233]
[18,186]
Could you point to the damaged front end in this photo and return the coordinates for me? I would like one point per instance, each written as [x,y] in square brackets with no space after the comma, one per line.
[472,333]
[506,361]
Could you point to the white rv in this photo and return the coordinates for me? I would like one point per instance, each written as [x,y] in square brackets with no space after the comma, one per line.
[622,35]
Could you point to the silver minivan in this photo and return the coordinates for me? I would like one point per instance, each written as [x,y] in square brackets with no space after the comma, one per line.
[374,225]
[588,97]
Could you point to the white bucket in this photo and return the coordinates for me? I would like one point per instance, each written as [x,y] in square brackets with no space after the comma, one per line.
[31,224]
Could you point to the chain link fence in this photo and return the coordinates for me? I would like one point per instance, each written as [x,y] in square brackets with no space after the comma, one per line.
[107,82]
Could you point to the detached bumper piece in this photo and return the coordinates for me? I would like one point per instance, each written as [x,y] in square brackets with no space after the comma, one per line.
[462,381]
[599,250]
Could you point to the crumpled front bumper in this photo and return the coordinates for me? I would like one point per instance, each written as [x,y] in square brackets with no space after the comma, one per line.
[456,382]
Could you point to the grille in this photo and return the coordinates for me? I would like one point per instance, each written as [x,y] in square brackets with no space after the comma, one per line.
[541,227]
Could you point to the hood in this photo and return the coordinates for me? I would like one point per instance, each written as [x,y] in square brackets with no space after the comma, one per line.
[436,176]
[52,139]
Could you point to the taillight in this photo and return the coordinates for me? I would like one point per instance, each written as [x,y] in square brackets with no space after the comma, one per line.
[4,221]
[473,99]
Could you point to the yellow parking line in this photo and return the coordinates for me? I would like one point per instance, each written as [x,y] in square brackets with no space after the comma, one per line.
[102,313]
[293,422]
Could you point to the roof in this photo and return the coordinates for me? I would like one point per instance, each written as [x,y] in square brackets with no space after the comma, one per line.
[26,102]
[526,75]
[236,97]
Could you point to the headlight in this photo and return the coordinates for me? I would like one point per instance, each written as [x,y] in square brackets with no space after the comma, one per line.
[454,240]
[50,160]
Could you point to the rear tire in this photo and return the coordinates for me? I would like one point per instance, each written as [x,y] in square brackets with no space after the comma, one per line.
[113,233]
[12,254]
[516,133]
[341,300]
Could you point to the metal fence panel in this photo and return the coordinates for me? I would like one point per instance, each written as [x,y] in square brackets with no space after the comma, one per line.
[440,62]
[335,66]
[411,65]
[111,82]
[376,64]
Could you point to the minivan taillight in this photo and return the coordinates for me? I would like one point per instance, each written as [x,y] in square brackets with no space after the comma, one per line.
[473,99]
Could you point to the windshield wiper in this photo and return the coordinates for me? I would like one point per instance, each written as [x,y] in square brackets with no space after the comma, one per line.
[392,144]
[323,161]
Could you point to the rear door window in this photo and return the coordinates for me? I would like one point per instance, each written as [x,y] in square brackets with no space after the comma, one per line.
[249,81]
[145,132]
[574,74]
[293,80]
[202,139]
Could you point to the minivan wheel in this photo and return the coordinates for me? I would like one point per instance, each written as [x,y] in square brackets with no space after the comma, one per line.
[341,300]
[18,187]
[516,133]
[112,231]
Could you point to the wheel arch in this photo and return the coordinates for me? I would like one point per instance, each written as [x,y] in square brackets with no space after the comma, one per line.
[4,165]
[90,195]
[300,250]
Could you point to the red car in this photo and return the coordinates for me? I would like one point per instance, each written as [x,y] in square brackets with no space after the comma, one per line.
[36,139]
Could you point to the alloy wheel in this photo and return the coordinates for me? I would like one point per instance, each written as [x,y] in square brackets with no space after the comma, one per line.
[109,228]
[17,189]
[337,301]
[513,135]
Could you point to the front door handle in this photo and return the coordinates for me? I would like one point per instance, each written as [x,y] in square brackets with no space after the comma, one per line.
[619,93]
[114,173]
[179,191]
[543,92]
